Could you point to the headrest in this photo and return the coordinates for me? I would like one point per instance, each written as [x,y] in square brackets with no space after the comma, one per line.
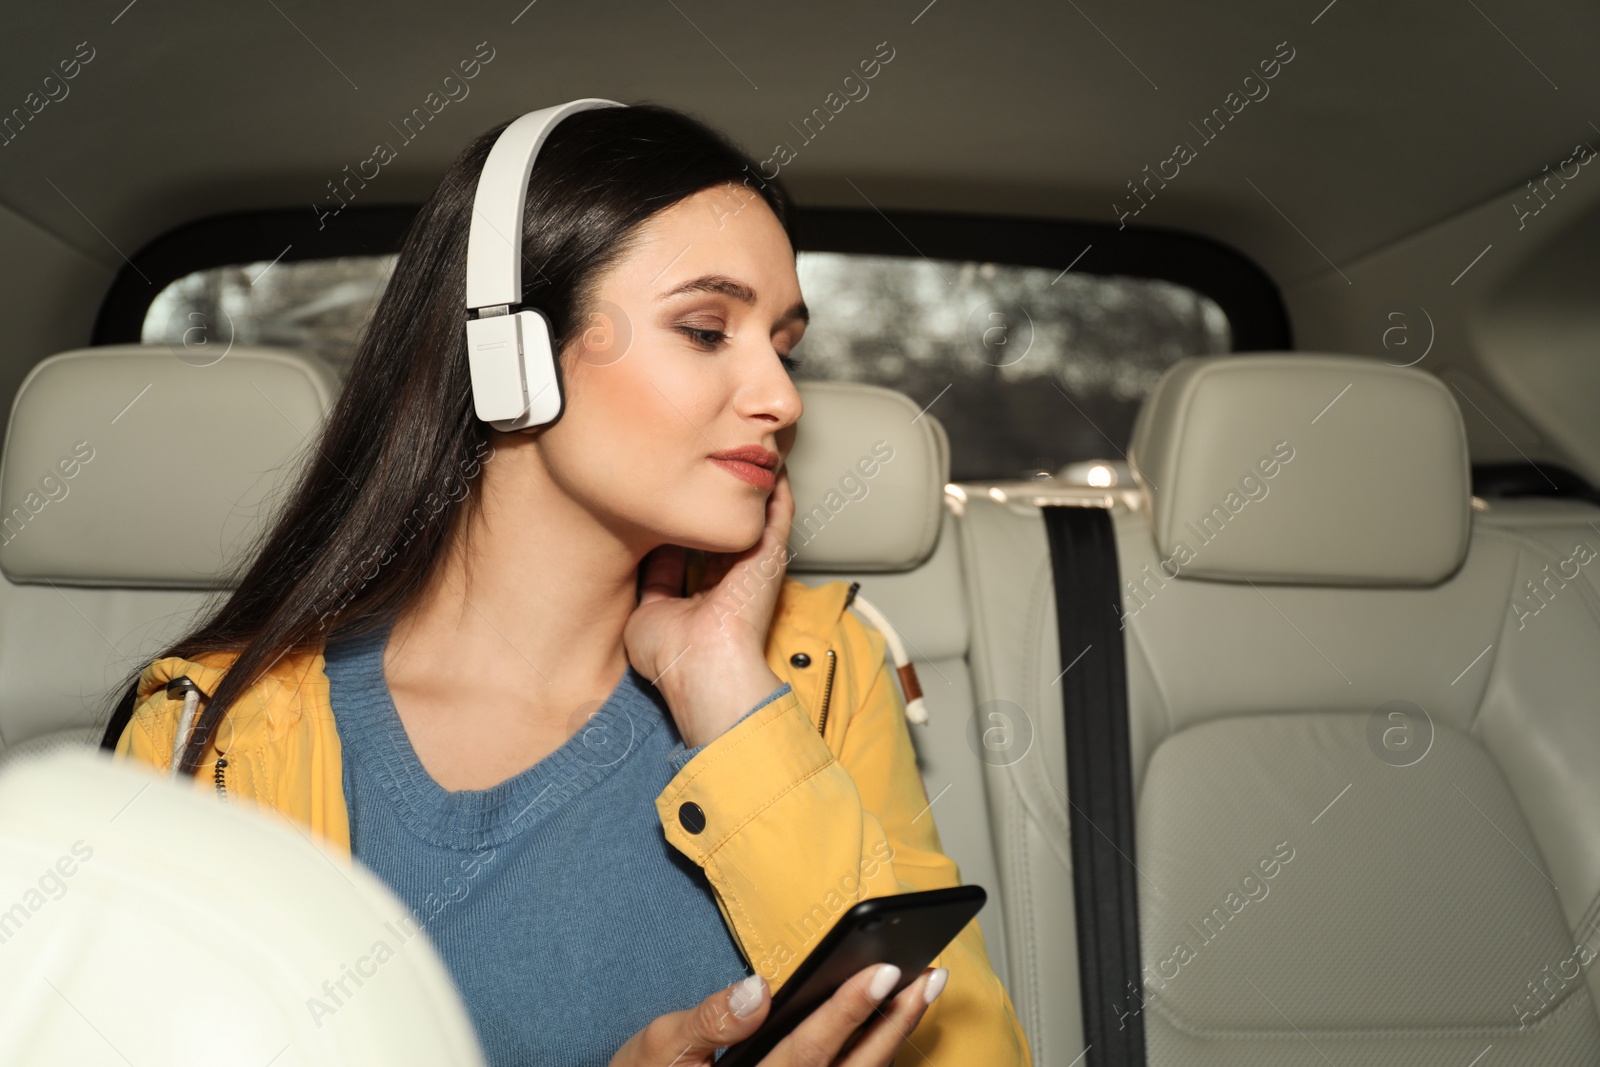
[868,469]
[127,465]
[131,892]
[1314,469]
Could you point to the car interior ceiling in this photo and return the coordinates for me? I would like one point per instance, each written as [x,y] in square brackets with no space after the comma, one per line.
[1239,364]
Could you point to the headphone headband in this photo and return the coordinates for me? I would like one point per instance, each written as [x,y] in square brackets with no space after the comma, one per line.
[515,378]
[494,245]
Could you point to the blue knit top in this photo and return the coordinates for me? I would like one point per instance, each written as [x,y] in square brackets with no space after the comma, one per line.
[565,918]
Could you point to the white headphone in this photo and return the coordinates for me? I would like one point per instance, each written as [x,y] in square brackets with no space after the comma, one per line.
[510,351]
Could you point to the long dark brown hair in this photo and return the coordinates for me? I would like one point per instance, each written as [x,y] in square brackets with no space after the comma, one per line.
[391,477]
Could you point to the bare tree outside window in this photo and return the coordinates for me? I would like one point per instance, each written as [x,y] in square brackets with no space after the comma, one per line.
[1028,369]
[320,305]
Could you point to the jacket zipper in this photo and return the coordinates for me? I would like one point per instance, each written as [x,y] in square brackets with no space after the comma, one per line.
[219,774]
[827,692]
[833,662]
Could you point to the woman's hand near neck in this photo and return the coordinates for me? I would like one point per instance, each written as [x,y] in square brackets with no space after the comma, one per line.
[706,652]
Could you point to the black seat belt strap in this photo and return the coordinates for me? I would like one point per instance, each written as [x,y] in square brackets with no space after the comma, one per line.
[1094,693]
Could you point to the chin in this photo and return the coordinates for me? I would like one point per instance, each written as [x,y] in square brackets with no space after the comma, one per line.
[723,530]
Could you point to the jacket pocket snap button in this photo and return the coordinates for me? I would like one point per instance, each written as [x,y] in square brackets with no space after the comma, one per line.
[692,818]
[800,659]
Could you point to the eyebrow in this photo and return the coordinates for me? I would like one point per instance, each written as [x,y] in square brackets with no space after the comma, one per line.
[721,283]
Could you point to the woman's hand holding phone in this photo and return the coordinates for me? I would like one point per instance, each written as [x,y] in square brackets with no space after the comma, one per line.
[691,1038]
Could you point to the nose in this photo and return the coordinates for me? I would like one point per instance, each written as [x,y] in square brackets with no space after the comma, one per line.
[768,392]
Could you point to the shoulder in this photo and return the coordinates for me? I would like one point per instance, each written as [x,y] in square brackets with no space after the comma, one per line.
[205,670]
[284,687]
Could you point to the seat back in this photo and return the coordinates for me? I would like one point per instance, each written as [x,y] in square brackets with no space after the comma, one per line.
[1362,721]
[890,530]
[1014,661]
[147,923]
[132,482]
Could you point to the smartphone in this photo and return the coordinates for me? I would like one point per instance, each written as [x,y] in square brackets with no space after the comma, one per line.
[907,930]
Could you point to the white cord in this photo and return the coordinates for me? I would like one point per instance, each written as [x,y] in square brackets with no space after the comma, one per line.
[191,703]
[916,709]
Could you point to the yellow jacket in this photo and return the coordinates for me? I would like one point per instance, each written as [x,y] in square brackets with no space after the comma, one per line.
[810,803]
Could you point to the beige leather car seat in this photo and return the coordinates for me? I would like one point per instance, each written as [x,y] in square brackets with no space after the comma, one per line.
[1364,720]
[146,923]
[132,481]
[892,532]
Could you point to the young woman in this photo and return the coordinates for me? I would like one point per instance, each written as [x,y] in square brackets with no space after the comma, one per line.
[554,686]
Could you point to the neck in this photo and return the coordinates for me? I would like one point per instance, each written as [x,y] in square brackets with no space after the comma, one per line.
[530,598]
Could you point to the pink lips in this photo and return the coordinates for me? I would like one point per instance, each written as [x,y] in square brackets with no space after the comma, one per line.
[752,463]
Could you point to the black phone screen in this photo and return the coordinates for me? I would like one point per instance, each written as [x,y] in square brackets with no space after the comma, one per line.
[907,930]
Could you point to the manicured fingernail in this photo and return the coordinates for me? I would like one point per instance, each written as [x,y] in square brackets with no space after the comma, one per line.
[883,980]
[935,985]
[746,996]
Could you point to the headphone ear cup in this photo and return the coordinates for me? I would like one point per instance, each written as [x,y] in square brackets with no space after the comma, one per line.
[540,373]
[516,382]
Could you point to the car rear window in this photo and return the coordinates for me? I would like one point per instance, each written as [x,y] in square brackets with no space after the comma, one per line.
[1030,369]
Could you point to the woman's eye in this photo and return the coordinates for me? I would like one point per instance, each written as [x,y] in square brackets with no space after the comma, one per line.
[789,364]
[704,337]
